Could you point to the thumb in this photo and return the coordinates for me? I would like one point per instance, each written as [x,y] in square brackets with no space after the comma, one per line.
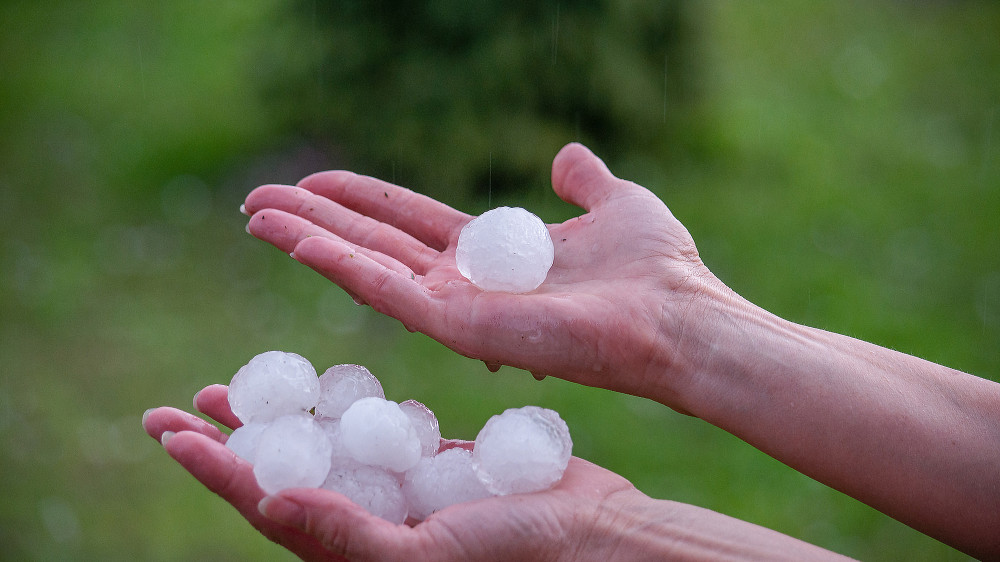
[581,178]
[341,526]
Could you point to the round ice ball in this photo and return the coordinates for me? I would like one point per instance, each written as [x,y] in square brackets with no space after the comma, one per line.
[332,429]
[293,452]
[244,440]
[341,385]
[522,450]
[426,424]
[376,431]
[505,249]
[442,480]
[271,385]
[373,488]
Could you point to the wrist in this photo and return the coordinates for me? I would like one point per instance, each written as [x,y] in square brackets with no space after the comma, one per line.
[742,358]
[637,527]
[698,326]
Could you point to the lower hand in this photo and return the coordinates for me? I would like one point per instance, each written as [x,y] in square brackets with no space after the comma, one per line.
[318,524]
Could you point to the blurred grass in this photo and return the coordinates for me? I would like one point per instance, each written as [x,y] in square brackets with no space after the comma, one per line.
[838,166]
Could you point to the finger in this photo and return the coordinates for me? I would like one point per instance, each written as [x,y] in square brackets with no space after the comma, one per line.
[385,289]
[215,466]
[225,474]
[340,525]
[587,479]
[285,231]
[331,217]
[430,221]
[456,443]
[158,420]
[213,401]
[581,178]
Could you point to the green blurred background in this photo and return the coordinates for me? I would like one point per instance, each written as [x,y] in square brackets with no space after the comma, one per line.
[837,164]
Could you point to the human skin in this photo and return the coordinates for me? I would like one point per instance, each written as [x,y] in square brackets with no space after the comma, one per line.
[628,305]
[591,514]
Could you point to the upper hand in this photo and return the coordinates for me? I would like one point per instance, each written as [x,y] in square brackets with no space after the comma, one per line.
[609,314]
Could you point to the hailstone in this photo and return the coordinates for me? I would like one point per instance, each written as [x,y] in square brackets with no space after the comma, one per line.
[273,384]
[506,249]
[522,450]
[338,432]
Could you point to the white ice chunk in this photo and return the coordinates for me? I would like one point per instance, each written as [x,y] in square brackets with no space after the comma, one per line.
[271,385]
[342,385]
[505,249]
[244,440]
[376,431]
[522,450]
[293,452]
[426,424]
[442,480]
[339,458]
[371,487]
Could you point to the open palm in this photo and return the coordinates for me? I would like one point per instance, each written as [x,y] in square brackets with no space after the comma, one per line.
[598,318]
[325,525]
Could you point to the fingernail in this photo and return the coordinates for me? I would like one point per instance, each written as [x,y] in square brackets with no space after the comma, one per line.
[282,511]
[263,503]
[243,209]
[166,437]
[145,416]
[291,255]
[248,229]
[194,401]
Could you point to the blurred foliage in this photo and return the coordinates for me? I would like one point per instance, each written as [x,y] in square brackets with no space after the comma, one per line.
[488,91]
[837,164]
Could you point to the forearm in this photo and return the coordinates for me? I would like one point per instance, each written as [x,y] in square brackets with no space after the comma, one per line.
[650,529]
[916,440]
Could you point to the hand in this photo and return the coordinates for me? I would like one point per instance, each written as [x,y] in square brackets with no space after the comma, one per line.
[200,448]
[610,313]
[591,514]
[318,524]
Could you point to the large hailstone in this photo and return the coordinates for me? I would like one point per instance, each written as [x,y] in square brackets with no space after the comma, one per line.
[342,385]
[442,480]
[273,384]
[293,452]
[505,249]
[373,488]
[522,450]
[377,432]
[244,440]
[426,424]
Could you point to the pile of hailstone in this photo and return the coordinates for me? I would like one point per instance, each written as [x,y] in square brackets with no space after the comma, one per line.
[382,455]
[505,249]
